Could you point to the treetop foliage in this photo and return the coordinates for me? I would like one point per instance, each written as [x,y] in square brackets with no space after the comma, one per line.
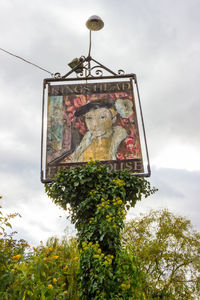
[168,252]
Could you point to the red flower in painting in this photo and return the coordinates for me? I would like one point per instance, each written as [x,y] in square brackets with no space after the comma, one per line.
[81,127]
[77,102]
[120,156]
[71,109]
[123,95]
[127,149]
[124,122]
[132,132]
[130,145]
[71,115]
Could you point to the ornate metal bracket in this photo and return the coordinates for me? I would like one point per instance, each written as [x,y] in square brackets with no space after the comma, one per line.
[88,67]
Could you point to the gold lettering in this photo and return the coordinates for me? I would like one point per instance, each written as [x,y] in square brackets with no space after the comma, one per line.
[110,167]
[86,88]
[94,88]
[114,166]
[129,165]
[139,165]
[78,89]
[118,87]
[100,88]
[69,89]
[52,90]
[105,87]
[126,86]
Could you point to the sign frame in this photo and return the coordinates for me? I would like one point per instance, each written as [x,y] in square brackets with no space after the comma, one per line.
[116,163]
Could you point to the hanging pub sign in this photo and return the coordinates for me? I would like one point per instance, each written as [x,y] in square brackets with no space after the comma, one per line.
[92,116]
[90,121]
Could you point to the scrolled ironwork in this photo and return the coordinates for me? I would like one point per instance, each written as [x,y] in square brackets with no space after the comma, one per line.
[95,71]
[88,67]
[57,75]
[98,72]
[121,72]
[84,73]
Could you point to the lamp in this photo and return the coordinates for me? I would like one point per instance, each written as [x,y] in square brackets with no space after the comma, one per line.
[95,23]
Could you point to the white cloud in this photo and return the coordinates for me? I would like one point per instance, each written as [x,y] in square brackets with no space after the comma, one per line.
[178,156]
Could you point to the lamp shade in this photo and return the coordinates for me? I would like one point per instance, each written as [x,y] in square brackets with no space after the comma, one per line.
[94,23]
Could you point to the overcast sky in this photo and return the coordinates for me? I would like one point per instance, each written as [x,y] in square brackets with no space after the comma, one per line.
[157,40]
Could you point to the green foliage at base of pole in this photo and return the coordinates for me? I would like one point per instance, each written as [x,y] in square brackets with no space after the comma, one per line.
[98,201]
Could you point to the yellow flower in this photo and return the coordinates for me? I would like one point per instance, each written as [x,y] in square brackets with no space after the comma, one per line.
[18,256]
[84,244]
[12,215]
[56,257]
[92,162]
[50,286]
[75,258]
[50,249]
[65,292]
[45,258]
[119,182]
[91,220]
[16,281]
[54,280]
[66,268]
[96,256]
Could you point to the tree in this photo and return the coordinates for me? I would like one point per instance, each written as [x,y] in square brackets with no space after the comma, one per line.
[167,248]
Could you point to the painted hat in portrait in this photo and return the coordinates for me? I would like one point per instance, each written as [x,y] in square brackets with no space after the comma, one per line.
[100,103]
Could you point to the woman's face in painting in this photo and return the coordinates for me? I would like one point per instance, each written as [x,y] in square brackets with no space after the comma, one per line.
[98,121]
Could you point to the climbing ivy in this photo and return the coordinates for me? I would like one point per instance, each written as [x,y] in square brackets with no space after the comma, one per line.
[98,201]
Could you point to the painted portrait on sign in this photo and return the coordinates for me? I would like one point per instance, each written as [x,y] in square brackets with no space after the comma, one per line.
[92,121]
